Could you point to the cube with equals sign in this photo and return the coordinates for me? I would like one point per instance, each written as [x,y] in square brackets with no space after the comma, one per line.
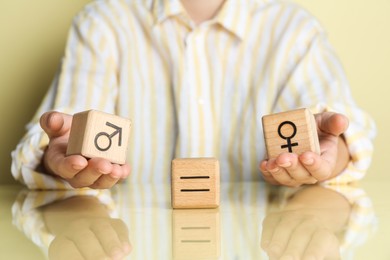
[195,183]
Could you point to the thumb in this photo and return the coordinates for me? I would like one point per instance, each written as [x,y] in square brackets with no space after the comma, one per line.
[55,124]
[332,123]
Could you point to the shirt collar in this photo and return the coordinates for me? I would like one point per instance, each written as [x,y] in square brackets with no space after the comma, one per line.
[234,15]
[163,9]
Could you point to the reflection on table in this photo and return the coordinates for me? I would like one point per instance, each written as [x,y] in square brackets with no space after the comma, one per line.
[254,221]
[196,234]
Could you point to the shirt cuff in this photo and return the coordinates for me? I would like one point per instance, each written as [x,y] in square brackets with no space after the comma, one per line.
[26,159]
[358,138]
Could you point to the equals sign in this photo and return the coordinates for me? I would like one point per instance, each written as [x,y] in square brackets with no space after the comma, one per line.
[194,177]
[196,241]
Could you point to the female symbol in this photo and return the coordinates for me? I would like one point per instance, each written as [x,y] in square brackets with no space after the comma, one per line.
[289,145]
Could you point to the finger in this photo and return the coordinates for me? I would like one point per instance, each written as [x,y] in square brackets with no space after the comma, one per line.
[271,180]
[116,171]
[123,234]
[88,245]
[280,174]
[105,181]
[267,176]
[63,249]
[263,169]
[300,238]
[324,245]
[64,166]
[263,166]
[125,170]
[109,239]
[269,224]
[70,166]
[120,171]
[89,175]
[55,124]
[320,167]
[291,163]
[282,234]
[332,123]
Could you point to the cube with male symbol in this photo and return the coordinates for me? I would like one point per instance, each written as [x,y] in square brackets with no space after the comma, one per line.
[97,134]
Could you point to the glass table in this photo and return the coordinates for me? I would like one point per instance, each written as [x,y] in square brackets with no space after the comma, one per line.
[254,221]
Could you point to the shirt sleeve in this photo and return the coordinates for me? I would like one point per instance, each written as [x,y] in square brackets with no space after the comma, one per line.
[27,156]
[314,78]
[86,79]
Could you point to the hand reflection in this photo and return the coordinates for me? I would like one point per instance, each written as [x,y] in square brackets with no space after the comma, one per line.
[299,237]
[91,238]
[84,230]
[308,227]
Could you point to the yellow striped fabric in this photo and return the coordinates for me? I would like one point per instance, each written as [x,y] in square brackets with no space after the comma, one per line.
[196,90]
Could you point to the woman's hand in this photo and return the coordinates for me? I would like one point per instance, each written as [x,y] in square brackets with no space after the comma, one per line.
[293,170]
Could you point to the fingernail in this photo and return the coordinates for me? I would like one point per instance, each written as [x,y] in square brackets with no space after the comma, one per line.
[285,165]
[310,258]
[276,169]
[116,253]
[274,249]
[266,173]
[49,117]
[77,167]
[126,247]
[308,161]
[102,171]
[115,175]
[265,244]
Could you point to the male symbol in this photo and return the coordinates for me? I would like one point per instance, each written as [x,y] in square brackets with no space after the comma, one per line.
[118,130]
[289,145]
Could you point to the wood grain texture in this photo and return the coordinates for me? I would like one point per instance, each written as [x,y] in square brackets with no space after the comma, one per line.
[195,183]
[291,131]
[98,134]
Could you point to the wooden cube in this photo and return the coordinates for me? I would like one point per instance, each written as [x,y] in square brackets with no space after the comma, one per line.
[97,134]
[293,131]
[195,183]
[196,234]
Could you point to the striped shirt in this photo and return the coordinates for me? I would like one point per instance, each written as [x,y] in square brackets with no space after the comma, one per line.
[196,90]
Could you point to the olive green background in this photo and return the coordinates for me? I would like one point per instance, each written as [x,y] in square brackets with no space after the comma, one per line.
[33,35]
